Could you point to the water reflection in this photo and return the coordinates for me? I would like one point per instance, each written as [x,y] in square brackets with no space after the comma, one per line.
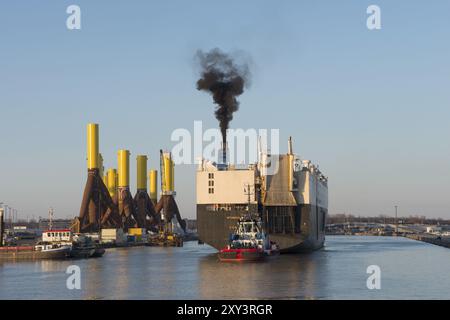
[284,277]
[410,269]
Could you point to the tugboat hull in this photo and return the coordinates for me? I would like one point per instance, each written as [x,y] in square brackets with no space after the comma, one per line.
[99,252]
[82,252]
[240,255]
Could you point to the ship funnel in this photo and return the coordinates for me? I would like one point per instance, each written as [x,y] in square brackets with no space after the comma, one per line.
[291,165]
[224,152]
[223,157]
[290,146]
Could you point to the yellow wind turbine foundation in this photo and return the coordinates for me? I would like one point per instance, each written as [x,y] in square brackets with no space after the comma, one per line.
[166,203]
[127,209]
[111,178]
[97,207]
[153,178]
[143,203]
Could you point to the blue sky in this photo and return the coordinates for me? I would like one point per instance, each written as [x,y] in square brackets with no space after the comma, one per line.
[371,107]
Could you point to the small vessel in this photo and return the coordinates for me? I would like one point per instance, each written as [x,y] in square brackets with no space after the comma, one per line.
[248,243]
[41,250]
[83,247]
[80,245]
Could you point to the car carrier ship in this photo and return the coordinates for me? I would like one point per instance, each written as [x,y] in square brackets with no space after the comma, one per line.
[290,195]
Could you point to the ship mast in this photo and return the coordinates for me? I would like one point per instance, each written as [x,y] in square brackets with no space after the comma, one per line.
[50,219]
[248,193]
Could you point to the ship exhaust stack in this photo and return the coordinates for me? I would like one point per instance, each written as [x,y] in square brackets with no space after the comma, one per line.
[143,204]
[167,203]
[224,153]
[223,157]
[292,180]
[290,152]
[97,208]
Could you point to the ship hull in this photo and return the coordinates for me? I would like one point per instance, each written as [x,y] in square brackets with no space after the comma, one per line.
[30,254]
[296,229]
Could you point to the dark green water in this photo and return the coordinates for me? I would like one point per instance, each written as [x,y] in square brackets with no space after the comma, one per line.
[409,270]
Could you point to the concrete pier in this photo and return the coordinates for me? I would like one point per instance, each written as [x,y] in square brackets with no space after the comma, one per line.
[436,240]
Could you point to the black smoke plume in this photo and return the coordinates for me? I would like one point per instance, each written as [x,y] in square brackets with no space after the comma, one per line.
[225,80]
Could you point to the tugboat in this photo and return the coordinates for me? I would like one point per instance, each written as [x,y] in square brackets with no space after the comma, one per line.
[82,247]
[248,243]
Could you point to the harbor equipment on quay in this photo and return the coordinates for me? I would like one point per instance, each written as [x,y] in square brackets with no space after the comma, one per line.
[165,239]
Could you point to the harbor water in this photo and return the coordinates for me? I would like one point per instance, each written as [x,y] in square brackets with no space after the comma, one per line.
[409,270]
